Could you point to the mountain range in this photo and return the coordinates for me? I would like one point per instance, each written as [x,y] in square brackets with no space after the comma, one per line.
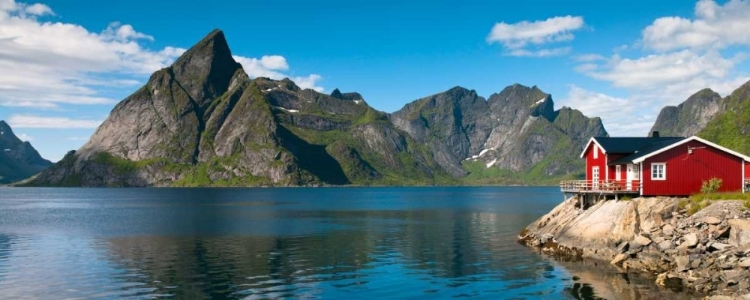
[18,159]
[204,122]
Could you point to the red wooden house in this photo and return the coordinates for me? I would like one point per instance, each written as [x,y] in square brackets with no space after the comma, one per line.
[658,166]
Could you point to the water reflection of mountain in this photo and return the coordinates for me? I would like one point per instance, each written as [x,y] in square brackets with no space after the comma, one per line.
[460,247]
[5,244]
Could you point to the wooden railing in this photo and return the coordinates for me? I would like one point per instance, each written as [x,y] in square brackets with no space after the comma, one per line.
[604,186]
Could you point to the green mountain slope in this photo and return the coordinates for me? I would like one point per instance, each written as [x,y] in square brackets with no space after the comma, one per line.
[730,127]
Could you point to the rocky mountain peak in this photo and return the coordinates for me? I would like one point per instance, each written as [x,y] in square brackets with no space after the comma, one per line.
[7,135]
[521,101]
[346,96]
[689,117]
[4,126]
[18,159]
[337,94]
[206,69]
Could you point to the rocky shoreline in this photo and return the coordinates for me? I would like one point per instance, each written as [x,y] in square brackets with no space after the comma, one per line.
[706,253]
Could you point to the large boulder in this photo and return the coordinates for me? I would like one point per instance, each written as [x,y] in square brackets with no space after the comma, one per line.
[739,234]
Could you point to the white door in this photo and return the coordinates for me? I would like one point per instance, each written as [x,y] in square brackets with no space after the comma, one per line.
[595,178]
[618,169]
[633,173]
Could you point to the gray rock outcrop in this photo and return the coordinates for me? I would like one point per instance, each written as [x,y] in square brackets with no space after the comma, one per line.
[707,252]
[516,130]
[690,117]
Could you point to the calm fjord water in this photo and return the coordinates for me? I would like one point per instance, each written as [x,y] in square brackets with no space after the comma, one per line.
[296,243]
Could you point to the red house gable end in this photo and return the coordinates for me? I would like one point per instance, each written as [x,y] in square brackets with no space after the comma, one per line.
[600,161]
[685,172]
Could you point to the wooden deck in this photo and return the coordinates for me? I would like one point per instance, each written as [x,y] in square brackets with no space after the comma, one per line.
[612,187]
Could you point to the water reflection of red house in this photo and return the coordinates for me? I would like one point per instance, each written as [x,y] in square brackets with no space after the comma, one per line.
[658,166]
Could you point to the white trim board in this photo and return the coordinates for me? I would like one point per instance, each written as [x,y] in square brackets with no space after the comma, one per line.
[588,144]
[690,139]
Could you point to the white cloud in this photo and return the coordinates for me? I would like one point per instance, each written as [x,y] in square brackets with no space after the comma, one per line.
[38,9]
[123,33]
[596,104]
[271,66]
[658,70]
[540,53]
[515,37]
[538,32]
[31,121]
[308,82]
[658,80]
[621,116]
[25,137]
[591,57]
[682,56]
[714,26]
[55,62]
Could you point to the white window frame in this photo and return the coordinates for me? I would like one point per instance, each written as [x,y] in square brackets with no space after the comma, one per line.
[596,152]
[654,172]
[618,169]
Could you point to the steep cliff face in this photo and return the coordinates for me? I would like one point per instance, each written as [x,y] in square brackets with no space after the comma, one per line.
[455,124]
[730,126]
[202,122]
[18,159]
[690,117]
[516,134]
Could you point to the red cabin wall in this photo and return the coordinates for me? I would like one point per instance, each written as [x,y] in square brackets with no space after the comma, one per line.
[592,162]
[747,169]
[686,172]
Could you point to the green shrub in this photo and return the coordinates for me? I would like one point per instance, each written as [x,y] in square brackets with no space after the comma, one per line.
[711,186]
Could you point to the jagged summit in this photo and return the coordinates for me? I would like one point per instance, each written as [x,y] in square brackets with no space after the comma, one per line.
[205,70]
[18,159]
[515,129]
[690,117]
[346,96]
[213,46]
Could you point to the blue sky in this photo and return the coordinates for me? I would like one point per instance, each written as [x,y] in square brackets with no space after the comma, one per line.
[620,60]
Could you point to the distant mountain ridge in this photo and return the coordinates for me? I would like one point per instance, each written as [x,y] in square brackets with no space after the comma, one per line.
[690,117]
[18,159]
[725,121]
[516,130]
[203,122]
